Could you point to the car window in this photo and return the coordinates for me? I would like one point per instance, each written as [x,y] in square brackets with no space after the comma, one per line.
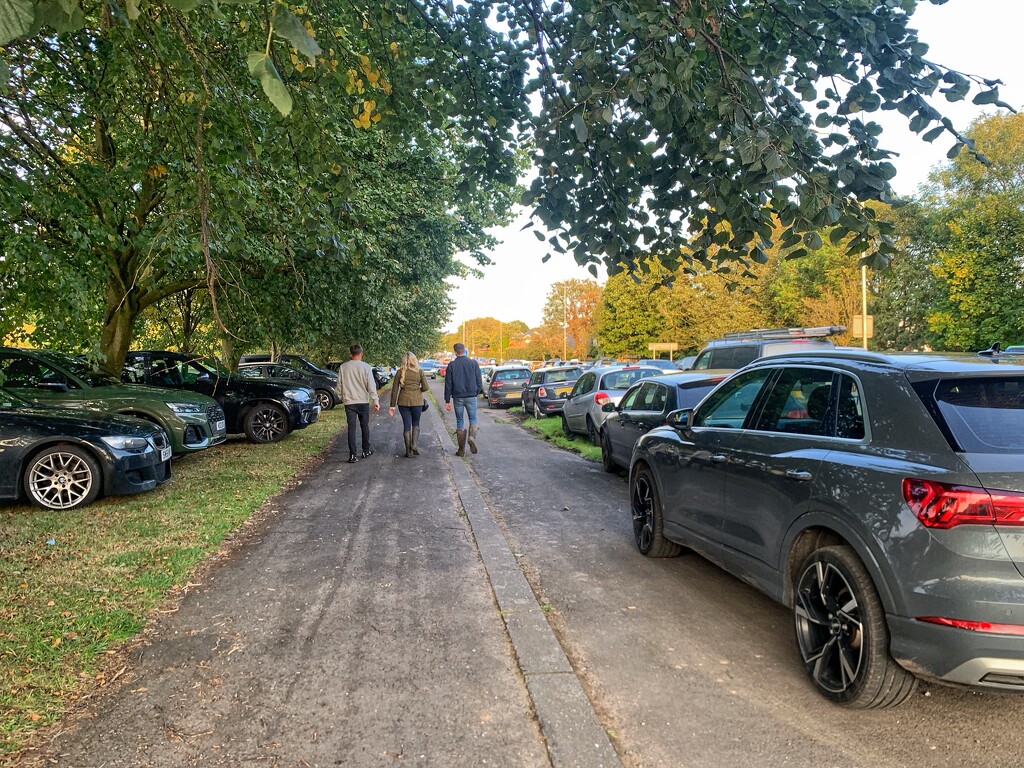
[584,384]
[799,403]
[536,378]
[511,375]
[650,397]
[27,372]
[850,410]
[249,371]
[735,356]
[134,371]
[702,362]
[729,405]
[985,414]
[624,379]
[626,403]
[558,377]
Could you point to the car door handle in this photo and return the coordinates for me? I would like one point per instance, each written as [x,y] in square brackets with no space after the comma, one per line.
[798,474]
[718,458]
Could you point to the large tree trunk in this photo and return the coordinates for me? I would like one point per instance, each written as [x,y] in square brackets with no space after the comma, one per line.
[118,321]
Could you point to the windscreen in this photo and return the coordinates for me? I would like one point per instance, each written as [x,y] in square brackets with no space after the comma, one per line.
[985,414]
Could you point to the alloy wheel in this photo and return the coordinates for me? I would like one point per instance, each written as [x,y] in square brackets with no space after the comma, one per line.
[60,480]
[829,629]
[268,424]
[642,504]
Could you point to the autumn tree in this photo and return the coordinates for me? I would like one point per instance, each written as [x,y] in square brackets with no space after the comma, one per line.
[570,309]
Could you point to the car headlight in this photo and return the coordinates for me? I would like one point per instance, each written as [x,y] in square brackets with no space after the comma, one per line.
[192,408]
[124,443]
[298,394]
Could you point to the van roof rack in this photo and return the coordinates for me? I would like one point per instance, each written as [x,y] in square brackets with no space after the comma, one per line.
[785,333]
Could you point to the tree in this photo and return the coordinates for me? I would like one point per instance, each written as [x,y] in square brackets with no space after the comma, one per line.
[569,313]
[484,336]
[629,317]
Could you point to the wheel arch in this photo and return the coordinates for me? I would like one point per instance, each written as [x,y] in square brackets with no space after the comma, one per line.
[816,530]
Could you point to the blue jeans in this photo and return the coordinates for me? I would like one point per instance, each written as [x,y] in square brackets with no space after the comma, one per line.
[467,403]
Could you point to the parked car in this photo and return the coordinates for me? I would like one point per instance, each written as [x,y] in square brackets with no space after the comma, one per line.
[735,350]
[265,410]
[686,363]
[507,385]
[646,405]
[582,414]
[880,497]
[191,421]
[62,458]
[381,375]
[667,366]
[297,362]
[430,367]
[548,389]
[323,385]
[486,371]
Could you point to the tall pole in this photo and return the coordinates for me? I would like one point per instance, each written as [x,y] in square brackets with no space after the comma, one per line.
[864,304]
[565,328]
[501,343]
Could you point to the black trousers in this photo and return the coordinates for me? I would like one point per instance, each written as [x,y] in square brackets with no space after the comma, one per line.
[360,412]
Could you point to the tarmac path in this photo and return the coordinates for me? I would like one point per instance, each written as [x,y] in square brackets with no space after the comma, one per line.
[491,611]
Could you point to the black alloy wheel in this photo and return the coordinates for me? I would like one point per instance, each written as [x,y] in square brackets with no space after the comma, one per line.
[607,462]
[266,423]
[62,477]
[842,634]
[648,523]
[325,398]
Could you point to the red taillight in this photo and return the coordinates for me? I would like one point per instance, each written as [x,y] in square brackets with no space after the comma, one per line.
[541,392]
[601,398]
[496,385]
[975,626]
[938,505]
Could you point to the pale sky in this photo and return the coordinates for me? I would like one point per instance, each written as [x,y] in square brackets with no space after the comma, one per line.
[979,37]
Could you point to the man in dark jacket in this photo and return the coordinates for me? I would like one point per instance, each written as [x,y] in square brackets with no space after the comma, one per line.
[462,383]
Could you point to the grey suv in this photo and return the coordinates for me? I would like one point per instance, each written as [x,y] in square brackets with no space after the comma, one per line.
[734,350]
[881,497]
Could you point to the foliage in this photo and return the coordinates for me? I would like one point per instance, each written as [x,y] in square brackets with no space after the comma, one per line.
[725,117]
[629,317]
[568,321]
[68,603]
[485,336]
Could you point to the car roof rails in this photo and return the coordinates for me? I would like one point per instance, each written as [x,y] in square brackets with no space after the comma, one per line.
[759,334]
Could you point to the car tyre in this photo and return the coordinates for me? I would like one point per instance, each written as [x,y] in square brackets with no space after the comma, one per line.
[607,462]
[537,412]
[62,477]
[566,430]
[325,398]
[266,423]
[842,635]
[648,522]
[592,434]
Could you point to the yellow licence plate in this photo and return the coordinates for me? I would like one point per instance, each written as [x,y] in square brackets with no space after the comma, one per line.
[563,391]
[512,394]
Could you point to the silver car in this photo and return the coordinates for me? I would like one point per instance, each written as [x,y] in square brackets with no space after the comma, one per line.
[582,412]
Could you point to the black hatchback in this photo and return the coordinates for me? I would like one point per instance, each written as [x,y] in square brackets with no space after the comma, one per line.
[507,385]
[548,388]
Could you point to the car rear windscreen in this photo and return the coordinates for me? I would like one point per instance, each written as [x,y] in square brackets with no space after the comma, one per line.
[984,414]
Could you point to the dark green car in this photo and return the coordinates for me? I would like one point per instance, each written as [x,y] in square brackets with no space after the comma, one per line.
[192,421]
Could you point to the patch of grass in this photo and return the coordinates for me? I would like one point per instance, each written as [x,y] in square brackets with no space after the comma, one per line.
[551,430]
[65,606]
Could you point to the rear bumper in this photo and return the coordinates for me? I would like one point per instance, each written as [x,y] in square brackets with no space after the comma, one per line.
[549,405]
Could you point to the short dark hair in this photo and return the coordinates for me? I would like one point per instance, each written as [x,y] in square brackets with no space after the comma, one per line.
[355,349]
[460,348]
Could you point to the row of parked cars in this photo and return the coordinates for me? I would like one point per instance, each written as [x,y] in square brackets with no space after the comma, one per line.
[69,432]
[879,496]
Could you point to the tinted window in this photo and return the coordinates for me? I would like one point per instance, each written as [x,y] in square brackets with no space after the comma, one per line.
[511,375]
[689,394]
[536,378]
[733,357]
[27,372]
[134,371]
[626,404]
[799,403]
[729,405]
[850,410]
[584,385]
[624,379]
[985,415]
[557,377]
[650,397]
[249,371]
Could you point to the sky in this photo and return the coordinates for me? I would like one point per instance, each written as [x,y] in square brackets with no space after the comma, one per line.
[980,37]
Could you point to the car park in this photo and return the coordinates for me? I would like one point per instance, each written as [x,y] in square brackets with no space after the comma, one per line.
[430,367]
[582,414]
[646,405]
[63,458]
[324,386]
[735,350]
[667,366]
[548,389]
[298,362]
[507,385]
[879,496]
[266,411]
[192,422]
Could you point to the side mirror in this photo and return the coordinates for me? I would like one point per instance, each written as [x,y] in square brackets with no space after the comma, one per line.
[203,377]
[680,419]
[52,386]
[608,407]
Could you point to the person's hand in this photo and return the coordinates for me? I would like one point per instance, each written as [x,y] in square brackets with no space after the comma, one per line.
[391,411]
[447,406]
[376,407]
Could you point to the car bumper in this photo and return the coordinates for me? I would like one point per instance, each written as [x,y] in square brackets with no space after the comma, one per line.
[198,432]
[551,406]
[500,401]
[301,415]
[131,472]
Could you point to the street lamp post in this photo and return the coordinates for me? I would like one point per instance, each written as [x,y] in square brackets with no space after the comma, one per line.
[565,327]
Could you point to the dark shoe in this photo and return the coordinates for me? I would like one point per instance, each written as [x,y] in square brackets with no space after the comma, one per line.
[367,453]
[472,436]
[352,458]
[412,441]
[460,434]
[408,444]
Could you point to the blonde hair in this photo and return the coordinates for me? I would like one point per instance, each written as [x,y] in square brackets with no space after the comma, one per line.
[409,363]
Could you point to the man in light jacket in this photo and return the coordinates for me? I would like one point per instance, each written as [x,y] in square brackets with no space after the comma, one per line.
[462,383]
[356,389]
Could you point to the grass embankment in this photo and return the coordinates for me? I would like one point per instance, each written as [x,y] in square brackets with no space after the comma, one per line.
[550,429]
[75,585]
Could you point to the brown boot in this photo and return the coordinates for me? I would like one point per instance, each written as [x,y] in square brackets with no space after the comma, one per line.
[412,441]
[460,435]
[408,444]
[472,435]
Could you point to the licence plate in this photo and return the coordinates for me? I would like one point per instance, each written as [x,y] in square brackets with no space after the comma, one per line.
[165,453]
[510,395]
[220,425]
[563,391]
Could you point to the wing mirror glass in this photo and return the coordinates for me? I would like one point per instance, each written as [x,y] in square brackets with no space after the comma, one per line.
[608,407]
[680,419]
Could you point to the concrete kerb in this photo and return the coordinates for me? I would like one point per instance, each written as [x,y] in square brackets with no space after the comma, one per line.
[567,719]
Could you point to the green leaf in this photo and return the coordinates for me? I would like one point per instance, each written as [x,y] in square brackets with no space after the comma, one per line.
[933,134]
[133,9]
[954,150]
[62,15]
[987,97]
[16,18]
[580,126]
[263,69]
[184,5]
[287,25]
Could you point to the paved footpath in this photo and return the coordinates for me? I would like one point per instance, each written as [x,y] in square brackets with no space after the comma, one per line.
[377,619]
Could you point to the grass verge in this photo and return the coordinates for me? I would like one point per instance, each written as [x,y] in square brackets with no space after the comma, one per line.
[76,585]
[551,430]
